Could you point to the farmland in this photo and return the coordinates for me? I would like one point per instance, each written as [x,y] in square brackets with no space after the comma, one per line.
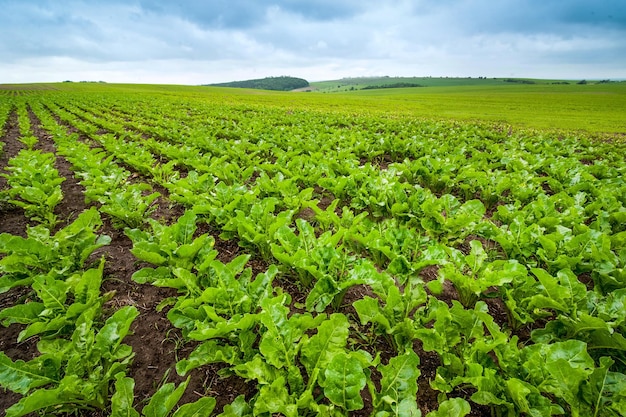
[199,251]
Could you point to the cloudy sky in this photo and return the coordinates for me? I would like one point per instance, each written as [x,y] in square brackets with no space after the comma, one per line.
[206,41]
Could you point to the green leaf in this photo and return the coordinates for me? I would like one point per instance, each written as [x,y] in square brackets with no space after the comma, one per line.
[606,391]
[399,381]
[201,408]
[7,282]
[115,329]
[154,258]
[369,311]
[51,291]
[529,400]
[560,369]
[20,376]
[261,287]
[38,400]
[150,275]
[238,408]
[275,398]
[164,400]
[275,343]
[287,238]
[215,326]
[21,313]
[186,280]
[122,400]
[237,265]
[456,407]
[44,326]
[87,288]
[331,337]
[322,294]
[257,369]
[344,380]
[189,251]
[316,352]
[477,256]
[185,227]
[556,296]
[206,353]
[566,382]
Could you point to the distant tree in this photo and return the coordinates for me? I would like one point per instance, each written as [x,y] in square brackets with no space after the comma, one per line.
[518,80]
[271,83]
[394,85]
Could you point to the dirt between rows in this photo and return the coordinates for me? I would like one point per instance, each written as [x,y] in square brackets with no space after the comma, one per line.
[157,345]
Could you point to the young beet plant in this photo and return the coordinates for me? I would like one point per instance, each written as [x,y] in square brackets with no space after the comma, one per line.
[35,185]
[80,356]
[322,264]
[174,251]
[74,373]
[57,255]
[161,404]
[129,206]
[289,365]
[473,275]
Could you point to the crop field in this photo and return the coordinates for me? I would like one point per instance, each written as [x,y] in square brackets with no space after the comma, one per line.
[171,251]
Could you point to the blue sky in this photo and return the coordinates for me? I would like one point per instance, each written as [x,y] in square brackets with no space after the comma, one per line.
[196,42]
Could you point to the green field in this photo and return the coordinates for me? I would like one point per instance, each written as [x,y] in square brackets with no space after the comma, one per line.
[593,108]
[194,251]
[350,84]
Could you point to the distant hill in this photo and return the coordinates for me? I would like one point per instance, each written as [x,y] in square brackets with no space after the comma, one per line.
[270,83]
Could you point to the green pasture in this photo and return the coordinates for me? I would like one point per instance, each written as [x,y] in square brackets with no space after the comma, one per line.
[595,108]
[350,84]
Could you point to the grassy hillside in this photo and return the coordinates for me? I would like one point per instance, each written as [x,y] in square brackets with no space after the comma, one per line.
[590,107]
[351,84]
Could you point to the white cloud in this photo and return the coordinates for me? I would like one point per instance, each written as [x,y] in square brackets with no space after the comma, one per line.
[198,42]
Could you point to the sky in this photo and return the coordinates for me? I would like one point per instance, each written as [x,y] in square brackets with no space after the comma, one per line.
[210,41]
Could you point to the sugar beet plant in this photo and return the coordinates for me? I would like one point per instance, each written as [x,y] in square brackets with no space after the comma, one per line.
[80,350]
[35,185]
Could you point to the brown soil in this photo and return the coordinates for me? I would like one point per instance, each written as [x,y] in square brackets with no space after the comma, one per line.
[73,202]
[12,218]
[429,362]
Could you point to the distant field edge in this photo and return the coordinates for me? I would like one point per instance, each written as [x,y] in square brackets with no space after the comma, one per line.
[593,109]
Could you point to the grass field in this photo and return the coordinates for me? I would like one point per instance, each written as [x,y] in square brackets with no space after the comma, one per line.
[592,108]
[350,84]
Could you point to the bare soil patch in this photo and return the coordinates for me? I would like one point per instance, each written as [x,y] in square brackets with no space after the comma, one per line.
[12,219]
[73,202]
